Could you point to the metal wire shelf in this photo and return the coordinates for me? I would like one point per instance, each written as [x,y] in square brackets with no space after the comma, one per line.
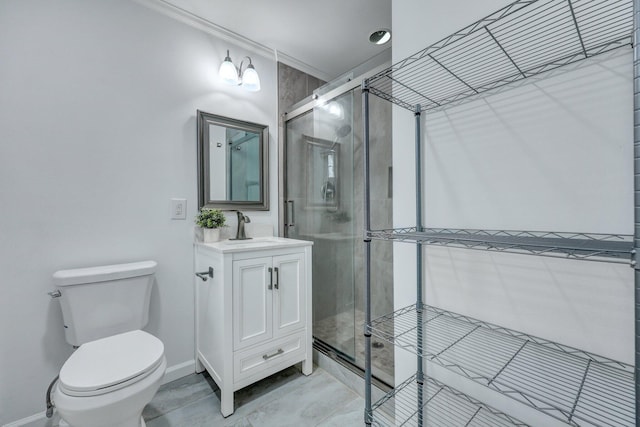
[598,247]
[569,384]
[442,406]
[521,40]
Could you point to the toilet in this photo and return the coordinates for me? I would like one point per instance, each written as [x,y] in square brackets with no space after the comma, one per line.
[117,368]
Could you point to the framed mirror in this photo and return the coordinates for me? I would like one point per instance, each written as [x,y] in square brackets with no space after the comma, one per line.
[233,163]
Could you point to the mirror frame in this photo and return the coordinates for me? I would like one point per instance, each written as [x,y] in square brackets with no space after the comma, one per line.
[204,120]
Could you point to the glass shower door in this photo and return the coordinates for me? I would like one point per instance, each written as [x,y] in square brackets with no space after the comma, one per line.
[319,161]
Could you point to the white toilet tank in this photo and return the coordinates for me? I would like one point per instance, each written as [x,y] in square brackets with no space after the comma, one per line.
[98,302]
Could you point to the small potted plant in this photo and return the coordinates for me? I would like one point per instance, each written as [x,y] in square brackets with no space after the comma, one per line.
[210,221]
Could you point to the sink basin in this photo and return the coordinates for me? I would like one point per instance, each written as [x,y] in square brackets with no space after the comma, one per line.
[254,241]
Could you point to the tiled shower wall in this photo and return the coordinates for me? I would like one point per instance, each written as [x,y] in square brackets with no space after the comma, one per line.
[293,86]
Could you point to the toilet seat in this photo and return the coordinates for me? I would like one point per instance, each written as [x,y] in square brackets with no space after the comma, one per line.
[111,363]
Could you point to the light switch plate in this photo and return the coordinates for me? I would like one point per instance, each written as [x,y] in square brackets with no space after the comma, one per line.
[178,208]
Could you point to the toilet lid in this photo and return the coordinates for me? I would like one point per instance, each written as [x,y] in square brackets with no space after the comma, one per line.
[111,361]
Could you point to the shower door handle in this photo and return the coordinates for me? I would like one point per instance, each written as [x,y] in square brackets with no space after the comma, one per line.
[290,209]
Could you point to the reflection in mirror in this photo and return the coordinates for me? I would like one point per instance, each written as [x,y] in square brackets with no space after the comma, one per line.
[322,167]
[323,157]
[232,163]
[232,151]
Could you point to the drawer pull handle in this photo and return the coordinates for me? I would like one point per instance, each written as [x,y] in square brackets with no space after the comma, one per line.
[277,353]
[270,286]
[276,284]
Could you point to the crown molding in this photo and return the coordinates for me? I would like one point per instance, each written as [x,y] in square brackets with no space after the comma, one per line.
[209,27]
[302,66]
[224,34]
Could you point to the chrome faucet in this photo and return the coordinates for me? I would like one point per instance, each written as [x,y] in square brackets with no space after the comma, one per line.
[242,220]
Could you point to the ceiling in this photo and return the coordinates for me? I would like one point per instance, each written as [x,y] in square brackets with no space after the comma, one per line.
[330,36]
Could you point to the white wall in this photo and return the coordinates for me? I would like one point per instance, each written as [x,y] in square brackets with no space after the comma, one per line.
[554,154]
[97,133]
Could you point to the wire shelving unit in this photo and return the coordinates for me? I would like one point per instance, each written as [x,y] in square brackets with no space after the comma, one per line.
[596,247]
[522,40]
[566,383]
[443,406]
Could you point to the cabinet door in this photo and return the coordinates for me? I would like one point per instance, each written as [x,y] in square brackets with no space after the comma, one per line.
[252,302]
[289,292]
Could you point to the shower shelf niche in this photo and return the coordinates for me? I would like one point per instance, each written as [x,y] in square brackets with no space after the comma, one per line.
[524,39]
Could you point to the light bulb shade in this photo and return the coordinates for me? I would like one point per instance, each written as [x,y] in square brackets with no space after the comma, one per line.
[250,79]
[228,72]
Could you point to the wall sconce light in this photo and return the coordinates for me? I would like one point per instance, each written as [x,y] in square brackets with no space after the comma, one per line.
[231,75]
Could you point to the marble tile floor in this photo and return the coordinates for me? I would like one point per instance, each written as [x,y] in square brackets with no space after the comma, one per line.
[344,330]
[285,399]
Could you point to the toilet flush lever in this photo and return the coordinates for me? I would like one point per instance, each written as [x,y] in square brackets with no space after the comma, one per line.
[55,294]
[205,274]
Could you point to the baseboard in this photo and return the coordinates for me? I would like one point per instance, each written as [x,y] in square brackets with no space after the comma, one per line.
[27,420]
[172,373]
[180,370]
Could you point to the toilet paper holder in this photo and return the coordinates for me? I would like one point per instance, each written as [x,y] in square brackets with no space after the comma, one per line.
[204,275]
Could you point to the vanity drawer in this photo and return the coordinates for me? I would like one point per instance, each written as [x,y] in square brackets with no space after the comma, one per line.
[254,361]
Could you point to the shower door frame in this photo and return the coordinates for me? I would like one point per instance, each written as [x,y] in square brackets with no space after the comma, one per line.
[283,211]
[282,139]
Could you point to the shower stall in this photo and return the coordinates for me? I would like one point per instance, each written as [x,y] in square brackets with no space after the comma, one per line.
[322,187]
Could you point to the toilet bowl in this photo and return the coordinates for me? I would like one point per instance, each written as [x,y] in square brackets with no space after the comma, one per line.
[109,381]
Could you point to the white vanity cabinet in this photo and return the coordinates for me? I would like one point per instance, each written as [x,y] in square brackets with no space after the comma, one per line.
[253,317]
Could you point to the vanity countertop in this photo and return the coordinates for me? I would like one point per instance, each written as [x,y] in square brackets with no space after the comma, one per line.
[253,244]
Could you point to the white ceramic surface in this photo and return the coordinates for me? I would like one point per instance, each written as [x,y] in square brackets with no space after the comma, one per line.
[121,407]
[253,244]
